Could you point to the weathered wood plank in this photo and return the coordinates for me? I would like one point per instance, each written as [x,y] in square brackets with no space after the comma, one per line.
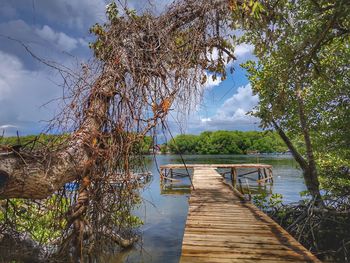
[236,244]
[243,252]
[206,166]
[240,238]
[221,227]
[190,259]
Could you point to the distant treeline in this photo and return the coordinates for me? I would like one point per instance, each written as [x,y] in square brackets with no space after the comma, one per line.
[226,142]
[32,140]
[218,142]
[38,141]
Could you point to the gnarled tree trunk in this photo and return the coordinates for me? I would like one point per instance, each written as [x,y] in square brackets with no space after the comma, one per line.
[26,177]
[309,168]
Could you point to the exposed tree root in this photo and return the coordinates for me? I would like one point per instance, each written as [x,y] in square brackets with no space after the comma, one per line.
[326,232]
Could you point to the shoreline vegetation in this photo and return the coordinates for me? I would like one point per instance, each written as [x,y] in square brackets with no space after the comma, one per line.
[51,140]
[226,142]
[207,142]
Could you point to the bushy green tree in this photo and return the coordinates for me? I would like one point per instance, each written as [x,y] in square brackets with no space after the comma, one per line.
[227,142]
[302,77]
[204,143]
[183,144]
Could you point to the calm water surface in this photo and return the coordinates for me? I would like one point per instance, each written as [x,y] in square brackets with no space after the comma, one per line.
[164,211]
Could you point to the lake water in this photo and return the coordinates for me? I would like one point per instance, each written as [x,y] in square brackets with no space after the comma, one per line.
[164,211]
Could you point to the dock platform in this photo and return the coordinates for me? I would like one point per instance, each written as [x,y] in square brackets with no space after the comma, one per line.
[264,171]
[222,226]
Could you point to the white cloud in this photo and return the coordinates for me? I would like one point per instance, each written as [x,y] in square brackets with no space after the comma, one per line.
[210,83]
[75,14]
[8,67]
[6,126]
[244,52]
[232,115]
[238,105]
[60,39]
[205,120]
[154,6]
[213,55]
[83,42]
[43,41]
[22,93]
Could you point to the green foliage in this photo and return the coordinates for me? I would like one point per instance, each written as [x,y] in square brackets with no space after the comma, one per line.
[41,140]
[41,221]
[124,219]
[260,200]
[227,142]
[335,173]
[34,141]
[183,144]
[112,11]
[271,142]
[267,202]
[164,148]
[302,69]
[145,145]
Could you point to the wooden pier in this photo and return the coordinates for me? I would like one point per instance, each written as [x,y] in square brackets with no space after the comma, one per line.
[223,227]
[264,171]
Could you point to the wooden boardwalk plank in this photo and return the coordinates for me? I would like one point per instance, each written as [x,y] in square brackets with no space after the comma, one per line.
[205,166]
[222,227]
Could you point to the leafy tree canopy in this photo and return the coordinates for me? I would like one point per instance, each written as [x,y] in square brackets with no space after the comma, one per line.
[227,142]
[302,79]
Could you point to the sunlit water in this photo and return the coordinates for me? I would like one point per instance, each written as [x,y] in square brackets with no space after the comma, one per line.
[164,212]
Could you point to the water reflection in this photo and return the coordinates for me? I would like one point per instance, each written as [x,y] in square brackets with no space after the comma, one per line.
[175,189]
[164,207]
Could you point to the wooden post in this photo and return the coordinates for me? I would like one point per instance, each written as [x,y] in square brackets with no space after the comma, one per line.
[165,175]
[161,185]
[171,173]
[240,186]
[259,175]
[234,177]
[271,175]
[161,174]
[265,174]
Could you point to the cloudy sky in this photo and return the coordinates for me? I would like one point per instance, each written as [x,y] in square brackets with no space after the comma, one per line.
[58,31]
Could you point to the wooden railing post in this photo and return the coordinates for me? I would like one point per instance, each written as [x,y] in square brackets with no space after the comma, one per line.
[161,174]
[265,174]
[234,177]
[271,175]
[259,175]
